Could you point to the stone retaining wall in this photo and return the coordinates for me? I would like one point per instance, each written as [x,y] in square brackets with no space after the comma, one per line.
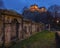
[14,27]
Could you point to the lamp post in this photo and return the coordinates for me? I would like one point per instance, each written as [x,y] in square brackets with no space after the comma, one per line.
[57,21]
[57,24]
[49,27]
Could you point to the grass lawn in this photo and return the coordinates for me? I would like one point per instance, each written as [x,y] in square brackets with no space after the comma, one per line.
[44,39]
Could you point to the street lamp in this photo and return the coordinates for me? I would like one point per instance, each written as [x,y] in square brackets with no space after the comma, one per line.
[57,21]
[57,24]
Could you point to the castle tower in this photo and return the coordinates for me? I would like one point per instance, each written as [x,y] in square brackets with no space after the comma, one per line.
[34,7]
[42,9]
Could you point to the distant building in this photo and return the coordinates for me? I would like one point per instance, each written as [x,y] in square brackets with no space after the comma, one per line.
[35,13]
[36,8]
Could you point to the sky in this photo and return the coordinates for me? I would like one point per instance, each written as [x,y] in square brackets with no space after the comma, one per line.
[18,5]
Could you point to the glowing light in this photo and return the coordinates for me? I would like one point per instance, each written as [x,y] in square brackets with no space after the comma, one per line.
[57,21]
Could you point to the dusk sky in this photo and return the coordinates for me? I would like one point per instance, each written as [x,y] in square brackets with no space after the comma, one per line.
[18,5]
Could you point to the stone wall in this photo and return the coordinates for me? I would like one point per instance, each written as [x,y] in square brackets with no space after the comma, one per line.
[15,27]
[27,28]
[1,32]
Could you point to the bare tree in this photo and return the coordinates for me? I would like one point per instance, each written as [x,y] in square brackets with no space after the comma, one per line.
[54,10]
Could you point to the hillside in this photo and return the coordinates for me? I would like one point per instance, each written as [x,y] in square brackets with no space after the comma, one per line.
[44,39]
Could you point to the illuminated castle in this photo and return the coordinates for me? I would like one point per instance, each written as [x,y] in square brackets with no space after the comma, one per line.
[35,13]
[36,8]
